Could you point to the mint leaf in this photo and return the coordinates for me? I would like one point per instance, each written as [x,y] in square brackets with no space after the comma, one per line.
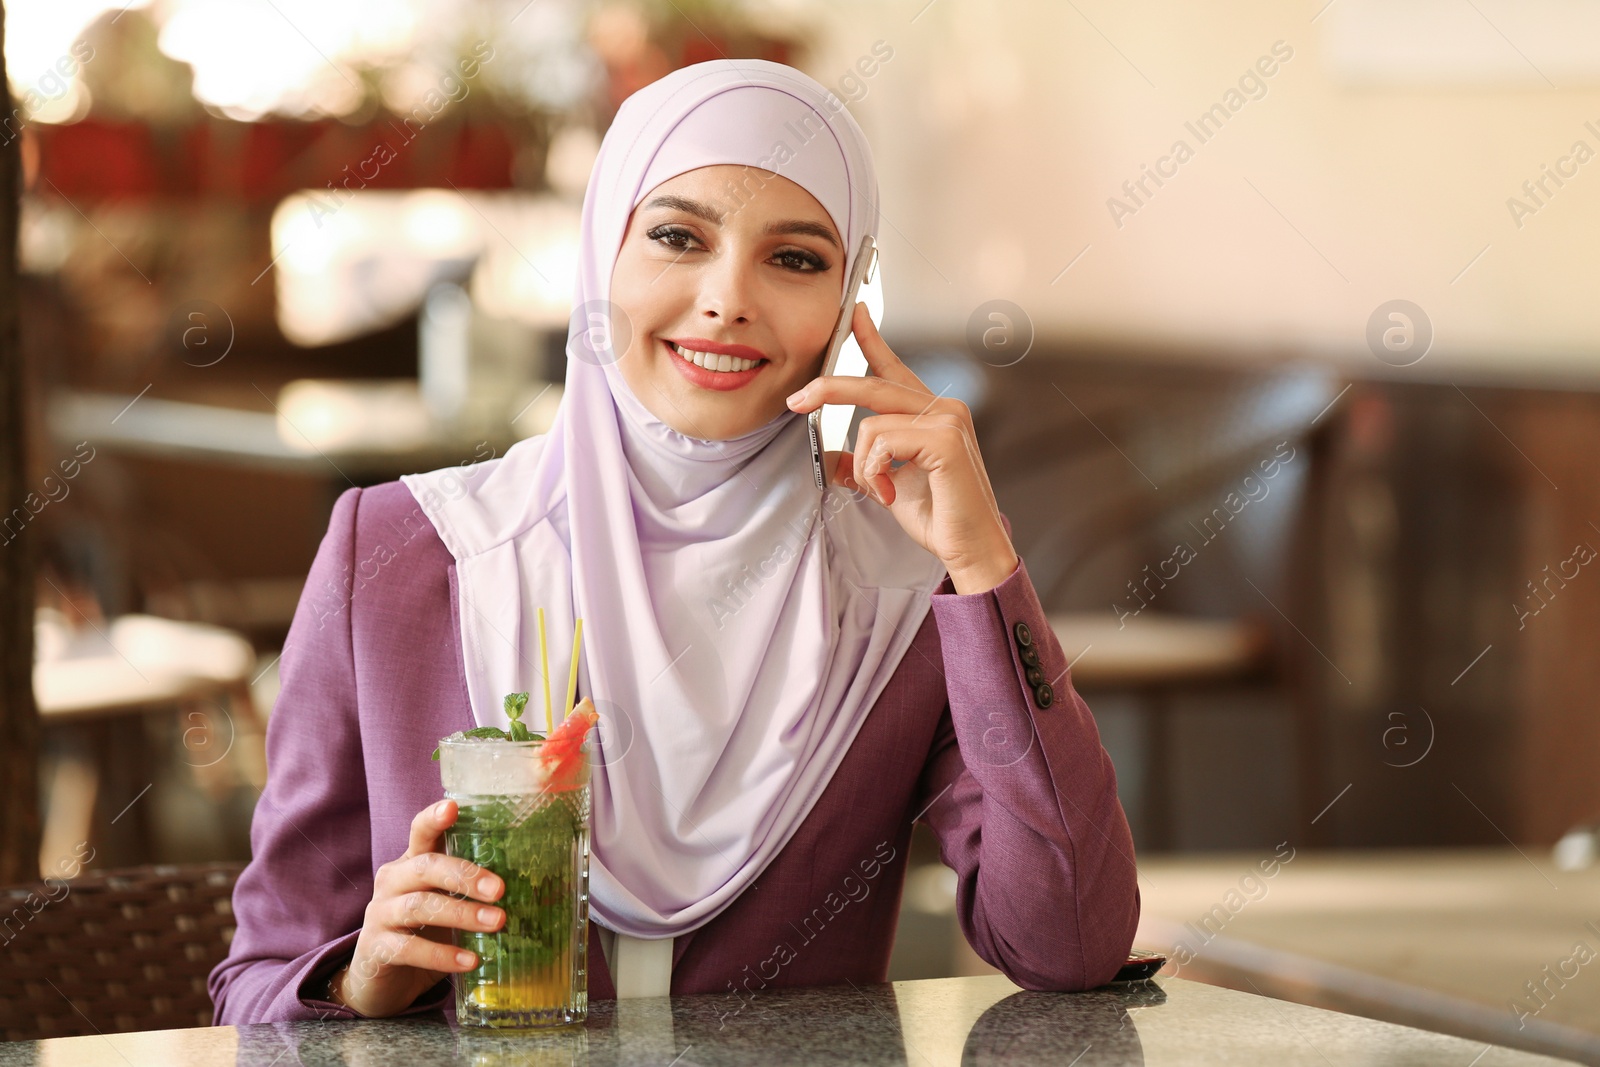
[516,704]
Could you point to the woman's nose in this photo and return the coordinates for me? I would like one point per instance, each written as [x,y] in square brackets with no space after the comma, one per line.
[726,292]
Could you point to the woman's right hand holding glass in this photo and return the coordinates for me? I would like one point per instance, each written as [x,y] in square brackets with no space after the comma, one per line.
[405,946]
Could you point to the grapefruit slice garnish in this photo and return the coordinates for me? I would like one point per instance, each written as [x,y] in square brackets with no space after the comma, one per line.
[559,753]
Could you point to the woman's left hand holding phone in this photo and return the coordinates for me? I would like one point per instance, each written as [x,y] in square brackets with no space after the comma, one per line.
[405,947]
[941,494]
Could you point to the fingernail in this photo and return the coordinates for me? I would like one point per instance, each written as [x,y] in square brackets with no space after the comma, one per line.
[488,916]
[464,958]
[486,887]
[795,397]
[440,808]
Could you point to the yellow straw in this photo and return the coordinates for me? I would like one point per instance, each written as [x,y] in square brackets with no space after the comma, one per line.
[572,676]
[544,666]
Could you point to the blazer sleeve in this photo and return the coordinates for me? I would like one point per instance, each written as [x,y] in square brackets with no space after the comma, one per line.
[1023,799]
[300,903]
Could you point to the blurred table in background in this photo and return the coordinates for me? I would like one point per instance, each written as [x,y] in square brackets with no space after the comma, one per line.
[367,431]
[1155,656]
[1155,649]
[100,679]
[212,510]
[1446,939]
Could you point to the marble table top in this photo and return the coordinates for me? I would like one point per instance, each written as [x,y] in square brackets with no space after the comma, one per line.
[963,1022]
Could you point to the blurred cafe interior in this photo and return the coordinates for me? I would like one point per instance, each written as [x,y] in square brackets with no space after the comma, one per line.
[1277,324]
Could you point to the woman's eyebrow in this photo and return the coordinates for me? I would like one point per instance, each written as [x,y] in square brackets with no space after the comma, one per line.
[710,214]
[804,226]
[693,207]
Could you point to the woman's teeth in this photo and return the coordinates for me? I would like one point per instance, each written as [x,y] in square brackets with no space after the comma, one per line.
[712,361]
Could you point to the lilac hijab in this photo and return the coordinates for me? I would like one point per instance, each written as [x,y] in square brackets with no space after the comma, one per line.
[738,625]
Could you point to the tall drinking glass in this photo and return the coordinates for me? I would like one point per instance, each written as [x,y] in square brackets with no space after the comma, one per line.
[526,818]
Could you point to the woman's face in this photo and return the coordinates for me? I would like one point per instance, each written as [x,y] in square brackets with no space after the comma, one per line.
[735,268]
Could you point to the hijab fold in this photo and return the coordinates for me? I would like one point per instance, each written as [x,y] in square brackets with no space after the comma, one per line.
[738,625]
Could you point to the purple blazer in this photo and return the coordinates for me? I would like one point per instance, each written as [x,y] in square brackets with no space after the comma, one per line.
[1022,798]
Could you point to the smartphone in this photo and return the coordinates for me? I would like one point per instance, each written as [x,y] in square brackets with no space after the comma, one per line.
[829,425]
[1142,965]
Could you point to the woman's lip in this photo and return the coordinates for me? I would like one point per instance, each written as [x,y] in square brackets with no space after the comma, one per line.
[701,344]
[722,381]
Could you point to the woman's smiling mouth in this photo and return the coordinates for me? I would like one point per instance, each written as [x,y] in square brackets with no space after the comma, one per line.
[712,365]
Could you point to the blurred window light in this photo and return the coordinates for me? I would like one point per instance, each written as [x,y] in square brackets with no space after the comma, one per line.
[350,264]
[252,58]
[303,57]
[529,270]
[440,224]
[316,58]
[349,267]
[45,51]
[353,416]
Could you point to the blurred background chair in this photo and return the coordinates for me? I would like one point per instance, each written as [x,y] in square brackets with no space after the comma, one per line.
[113,951]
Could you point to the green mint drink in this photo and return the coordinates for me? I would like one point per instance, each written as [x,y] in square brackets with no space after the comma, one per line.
[524,815]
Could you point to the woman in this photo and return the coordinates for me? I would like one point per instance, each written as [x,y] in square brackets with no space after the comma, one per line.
[788,679]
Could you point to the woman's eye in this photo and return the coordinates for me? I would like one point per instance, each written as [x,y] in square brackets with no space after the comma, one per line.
[674,237]
[800,260]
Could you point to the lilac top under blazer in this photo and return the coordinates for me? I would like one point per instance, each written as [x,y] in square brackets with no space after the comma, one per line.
[1023,799]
